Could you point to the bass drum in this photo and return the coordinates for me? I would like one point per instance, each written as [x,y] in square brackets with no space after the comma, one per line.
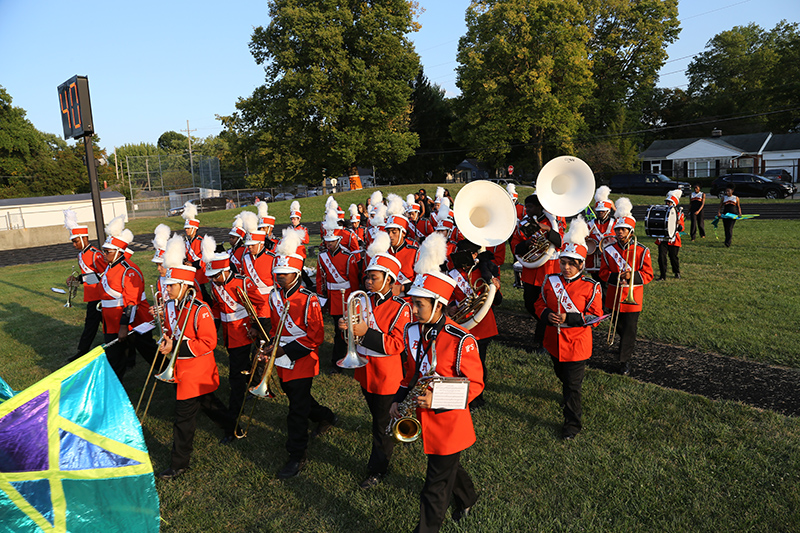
[661,221]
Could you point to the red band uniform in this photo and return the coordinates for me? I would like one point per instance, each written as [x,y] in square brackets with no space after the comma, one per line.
[671,247]
[91,261]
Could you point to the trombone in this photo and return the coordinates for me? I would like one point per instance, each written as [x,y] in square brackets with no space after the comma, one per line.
[356,306]
[168,375]
[262,390]
[617,301]
[158,307]
[72,287]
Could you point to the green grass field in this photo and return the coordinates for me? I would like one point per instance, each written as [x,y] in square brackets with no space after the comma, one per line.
[649,459]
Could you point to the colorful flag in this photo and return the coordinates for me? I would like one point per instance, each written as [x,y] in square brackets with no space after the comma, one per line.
[73,457]
[6,391]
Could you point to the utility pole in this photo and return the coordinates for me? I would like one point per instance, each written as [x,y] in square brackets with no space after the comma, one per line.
[191,160]
[116,163]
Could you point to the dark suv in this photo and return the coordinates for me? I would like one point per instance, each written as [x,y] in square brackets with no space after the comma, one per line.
[650,184]
[752,185]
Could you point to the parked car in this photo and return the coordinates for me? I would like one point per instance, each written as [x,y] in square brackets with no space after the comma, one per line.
[651,184]
[203,204]
[780,173]
[284,196]
[752,185]
[315,192]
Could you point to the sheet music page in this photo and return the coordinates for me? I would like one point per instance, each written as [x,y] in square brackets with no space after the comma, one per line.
[450,394]
[144,328]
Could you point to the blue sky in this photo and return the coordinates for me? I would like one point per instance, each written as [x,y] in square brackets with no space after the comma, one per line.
[154,65]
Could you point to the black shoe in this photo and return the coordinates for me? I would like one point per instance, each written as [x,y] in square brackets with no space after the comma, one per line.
[291,469]
[678,275]
[625,369]
[568,436]
[324,427]
[373,480]
[459,513]
[170,473]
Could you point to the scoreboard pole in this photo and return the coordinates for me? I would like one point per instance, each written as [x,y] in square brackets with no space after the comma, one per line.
[97,202]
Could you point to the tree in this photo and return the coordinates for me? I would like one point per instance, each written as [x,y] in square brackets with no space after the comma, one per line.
[173,142]
[338,79]
[20,142]
[524,75]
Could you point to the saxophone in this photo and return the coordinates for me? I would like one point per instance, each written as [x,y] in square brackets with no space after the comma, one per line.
[407,428]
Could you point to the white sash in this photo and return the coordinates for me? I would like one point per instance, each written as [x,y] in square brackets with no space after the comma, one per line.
[294,332]
[562,295]
[172,316]
[85,269]
[190,252]
[622,264]
[413,347]
[263,288]
[461,281]
[116,297]
[338,281]
[237,310]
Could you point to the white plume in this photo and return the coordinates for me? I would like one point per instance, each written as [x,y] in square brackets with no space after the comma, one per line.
[127,236]
[292,238]
[115,226]
[677,193]
[263,209]
[161,233]
[601,194]
[439,194]
[624,208]
[443,213]
[376,199]
[578,231]
[295,206]
[410,200]
[380,245]
[331,203]
[379,216]
[511,189]
[331,221]
[446,202]
[432,253]
[395,206]
[249,221]
[189,211]
[70,219]
[237,221]
[353,211]
[175,252]
[209,248]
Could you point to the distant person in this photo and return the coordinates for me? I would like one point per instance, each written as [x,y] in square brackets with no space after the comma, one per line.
[696,204]
[729,206]
[229,204]
[425,204]
[256,200]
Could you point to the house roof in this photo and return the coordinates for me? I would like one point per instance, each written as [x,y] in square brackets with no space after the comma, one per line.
[746,143]
[783,142]
[64,198]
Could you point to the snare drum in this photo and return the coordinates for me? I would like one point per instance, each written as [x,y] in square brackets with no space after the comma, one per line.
[661,221]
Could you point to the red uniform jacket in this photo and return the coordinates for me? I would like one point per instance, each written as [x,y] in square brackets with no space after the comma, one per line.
[536,276]
[236,258]
[338,270]
[301,250]
[407,254]
[349,240]
[123,298]
[231,312]
[614,257]
[194,253]
[302,334]
[499,253]
[443,432]
[598,231]
[581,299]
[92,260]
[487,327]
[361,233]
[195,368]
[520,209]
[417,231]
[676,239]
[259,270]
[382,345]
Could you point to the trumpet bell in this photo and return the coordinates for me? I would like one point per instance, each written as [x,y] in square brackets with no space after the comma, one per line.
[262,391]
[565,186]
[168,375]
[484,213]
[351,360]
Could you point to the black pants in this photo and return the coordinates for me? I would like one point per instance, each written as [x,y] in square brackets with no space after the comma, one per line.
[483,347]
[119,352]
[186,422]
[626,328]
[728,223]
[570,373]
[90,325]
[530,293]
[238,361]
[665,250]
[445,479]
[382,444]
[339,344]
[697,224]
[302,408]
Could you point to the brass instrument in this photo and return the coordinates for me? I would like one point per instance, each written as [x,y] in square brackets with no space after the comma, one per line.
[629,300]
[251,311]
[168,375]
[72,287]
[407,428]
[262,390]
[540,248]
[356,307]
[475,306]
[159,313]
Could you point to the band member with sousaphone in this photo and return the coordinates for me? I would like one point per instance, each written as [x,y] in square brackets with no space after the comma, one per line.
[600,229]
[379,340]
[670,247]
[190,336]
[626,268]
[297,351]
[92,263]
[437,346]
[569,304]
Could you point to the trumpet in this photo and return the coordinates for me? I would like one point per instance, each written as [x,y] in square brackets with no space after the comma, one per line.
[617,302]
[72,287]
[356,306]
[159,315]
[168,375]
[262,390]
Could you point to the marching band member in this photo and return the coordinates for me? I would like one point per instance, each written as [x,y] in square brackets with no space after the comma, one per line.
[235,320]
[160,240]
[377,221]
[533,278]
[266,223]
[294,218]
[466,271]
[196,372]
[337,270]
[236,238]
[380,342]
[672,246]
[123,300]
[194,246]
[91,261]
[729,205]
[375,199]
[297,356]
[511,189]
[355,225]
[257,263]
[600,229]
[568,301]
[434,343]
[696,204]
[418,227]
[444,226]
[615,270]
[405,250]
[349,240]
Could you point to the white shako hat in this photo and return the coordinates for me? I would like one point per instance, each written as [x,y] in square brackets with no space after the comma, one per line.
[71,223]
[602,203]
[674,196]
[381,260]
[215,262]
[250,225]
[161,236]
[623,216]
[430,281]
[287,260]
[174,255]
[189,214]
[118,236]
[330,225]
[574,244]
